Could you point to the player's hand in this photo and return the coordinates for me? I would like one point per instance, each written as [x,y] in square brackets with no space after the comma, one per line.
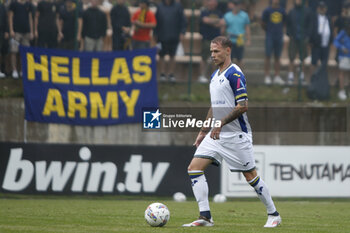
[215,133]
[199,138]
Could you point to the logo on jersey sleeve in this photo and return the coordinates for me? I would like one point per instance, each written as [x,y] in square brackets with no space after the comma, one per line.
[240,84]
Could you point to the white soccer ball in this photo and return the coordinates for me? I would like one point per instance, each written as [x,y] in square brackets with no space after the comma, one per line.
[179,197]
[157,214]
[219,198]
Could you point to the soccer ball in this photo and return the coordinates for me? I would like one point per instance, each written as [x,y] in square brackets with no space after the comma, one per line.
[179,197]
[157,214]
[219,198]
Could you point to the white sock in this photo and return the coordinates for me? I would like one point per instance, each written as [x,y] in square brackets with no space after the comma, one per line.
[200,189]
[263,193]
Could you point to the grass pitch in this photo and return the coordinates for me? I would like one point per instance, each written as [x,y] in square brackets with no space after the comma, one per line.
[122,214]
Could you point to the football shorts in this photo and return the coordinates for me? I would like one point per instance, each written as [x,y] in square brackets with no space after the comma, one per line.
[236,151]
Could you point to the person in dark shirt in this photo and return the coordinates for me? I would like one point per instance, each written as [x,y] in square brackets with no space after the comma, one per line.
[21,29]
[67,28]
[3,33]
[94,27]
[273,20]
[45,24]
[298,30]
[169,31]
[209,27]
[121,25]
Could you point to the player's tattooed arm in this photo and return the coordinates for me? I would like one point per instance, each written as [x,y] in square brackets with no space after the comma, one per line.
[241,107]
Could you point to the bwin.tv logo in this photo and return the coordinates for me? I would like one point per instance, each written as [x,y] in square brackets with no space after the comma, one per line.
[151,119]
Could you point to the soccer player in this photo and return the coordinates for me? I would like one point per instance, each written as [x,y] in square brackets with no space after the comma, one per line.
[232,141]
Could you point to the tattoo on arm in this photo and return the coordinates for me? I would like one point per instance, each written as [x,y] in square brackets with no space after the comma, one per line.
[241,108]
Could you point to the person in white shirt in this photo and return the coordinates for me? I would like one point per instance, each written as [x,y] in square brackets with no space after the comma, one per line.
[231,141]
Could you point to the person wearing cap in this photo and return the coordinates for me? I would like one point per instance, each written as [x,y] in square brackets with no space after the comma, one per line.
[321,36]
[143,21]
[237,26]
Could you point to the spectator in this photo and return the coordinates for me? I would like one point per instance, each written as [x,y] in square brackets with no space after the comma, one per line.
[249,6]
[121,25]
[298,30]
[143,21]
[237,28]
[273,20]
[106,7]
[342,43]
[334,7]
[67,33]
[339,23]
[21,29]
[222,6]
[210,27]
[283,3]
[169,31]
[45,24]
[321,37]
[94,27]
[3,33]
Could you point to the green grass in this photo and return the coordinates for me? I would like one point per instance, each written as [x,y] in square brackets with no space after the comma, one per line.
[125,214]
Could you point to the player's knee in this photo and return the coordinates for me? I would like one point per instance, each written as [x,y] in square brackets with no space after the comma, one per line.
[250,175]
[192,167]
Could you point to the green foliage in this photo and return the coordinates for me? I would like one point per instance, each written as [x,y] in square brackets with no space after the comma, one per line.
[11,88]
[199,93]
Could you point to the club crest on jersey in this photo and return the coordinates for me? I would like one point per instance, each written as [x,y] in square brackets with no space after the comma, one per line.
[221,80]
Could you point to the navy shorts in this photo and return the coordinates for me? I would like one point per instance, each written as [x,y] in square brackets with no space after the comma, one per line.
[319,53]
[237,52]
[168,47]
[273,45]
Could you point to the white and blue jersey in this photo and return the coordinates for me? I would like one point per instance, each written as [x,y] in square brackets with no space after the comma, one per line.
[235,145]
[226,90]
